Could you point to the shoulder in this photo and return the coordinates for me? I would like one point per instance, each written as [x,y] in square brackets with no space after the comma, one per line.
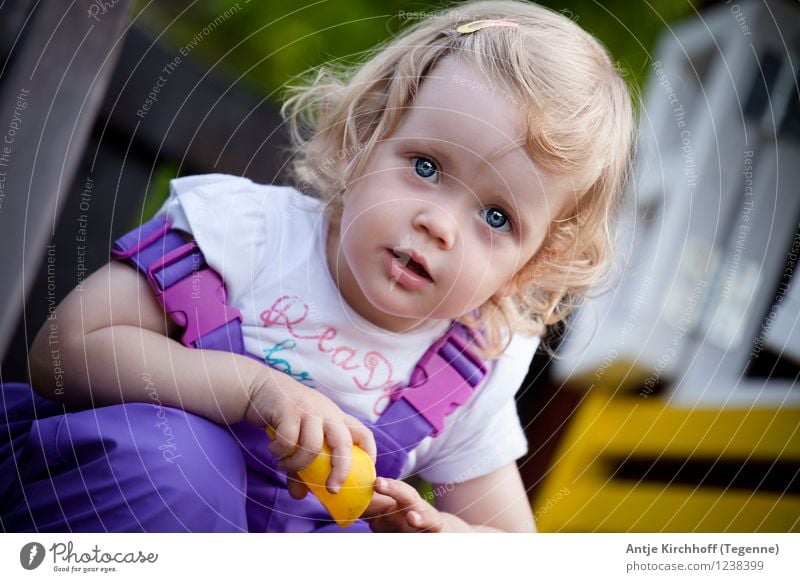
[225,187]
[520,346]
[223,201]
[508,371]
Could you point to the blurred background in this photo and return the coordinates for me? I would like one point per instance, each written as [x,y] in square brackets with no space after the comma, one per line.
[673,402]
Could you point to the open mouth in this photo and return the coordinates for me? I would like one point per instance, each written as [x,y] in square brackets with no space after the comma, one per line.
[411,264]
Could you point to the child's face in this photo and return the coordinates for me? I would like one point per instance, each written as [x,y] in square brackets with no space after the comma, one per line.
[451,189]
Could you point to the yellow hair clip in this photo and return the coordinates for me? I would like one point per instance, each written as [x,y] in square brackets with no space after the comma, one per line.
[479,24]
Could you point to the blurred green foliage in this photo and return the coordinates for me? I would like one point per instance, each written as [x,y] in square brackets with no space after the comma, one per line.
[264,45]
[269,43]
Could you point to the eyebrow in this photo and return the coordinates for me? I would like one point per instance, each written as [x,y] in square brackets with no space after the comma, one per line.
[508,148]
[501,186]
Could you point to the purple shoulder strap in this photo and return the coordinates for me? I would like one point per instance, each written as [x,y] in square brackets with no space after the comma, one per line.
[190,291]
[193,294]
[445,378]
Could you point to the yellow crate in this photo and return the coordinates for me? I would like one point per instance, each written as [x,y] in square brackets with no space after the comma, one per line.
[585,491]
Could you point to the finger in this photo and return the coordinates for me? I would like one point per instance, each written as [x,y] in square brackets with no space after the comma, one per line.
[285,441]
[297,489]
[341,445]
[362,437]
[384,515]
[310,444]
[428,521]
[405,495]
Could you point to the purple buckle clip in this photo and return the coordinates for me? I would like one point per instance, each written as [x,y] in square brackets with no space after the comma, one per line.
[443,380]
[197,300]
[141,238]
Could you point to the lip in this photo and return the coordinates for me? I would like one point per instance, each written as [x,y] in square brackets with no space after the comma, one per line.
[402,274]
[417,258]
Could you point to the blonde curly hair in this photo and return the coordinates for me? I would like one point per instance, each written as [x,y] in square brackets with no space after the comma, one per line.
[579,123]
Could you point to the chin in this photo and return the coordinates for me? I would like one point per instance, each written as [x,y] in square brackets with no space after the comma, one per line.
[402,311]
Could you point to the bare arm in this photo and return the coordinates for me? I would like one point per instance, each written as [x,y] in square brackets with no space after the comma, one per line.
[493,502]
[113,345]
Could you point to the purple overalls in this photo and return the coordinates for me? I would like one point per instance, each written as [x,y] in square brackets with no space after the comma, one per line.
[147,467]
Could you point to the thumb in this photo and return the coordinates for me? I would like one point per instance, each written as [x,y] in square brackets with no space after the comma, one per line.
[297,489]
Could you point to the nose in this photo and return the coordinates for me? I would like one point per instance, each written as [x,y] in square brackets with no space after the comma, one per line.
[438,224]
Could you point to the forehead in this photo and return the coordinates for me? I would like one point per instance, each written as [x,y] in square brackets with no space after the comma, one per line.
[459,106]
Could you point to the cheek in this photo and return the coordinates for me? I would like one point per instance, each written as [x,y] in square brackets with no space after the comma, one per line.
[362,223]
[350,231]
[363,227]
[486,268]
[487,251]
[474,276]
[373,196]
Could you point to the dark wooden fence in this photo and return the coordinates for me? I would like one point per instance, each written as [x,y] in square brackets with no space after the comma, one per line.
[104,107]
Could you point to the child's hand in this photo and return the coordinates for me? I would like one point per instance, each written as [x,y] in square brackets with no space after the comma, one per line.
[303,418]
[398,507]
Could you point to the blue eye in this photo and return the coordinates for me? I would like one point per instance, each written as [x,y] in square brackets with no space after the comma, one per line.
[496,219]
[426,168]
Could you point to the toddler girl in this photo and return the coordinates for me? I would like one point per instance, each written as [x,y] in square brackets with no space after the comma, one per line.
[467,173]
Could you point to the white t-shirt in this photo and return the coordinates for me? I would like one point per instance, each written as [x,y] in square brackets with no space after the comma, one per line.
[268,244]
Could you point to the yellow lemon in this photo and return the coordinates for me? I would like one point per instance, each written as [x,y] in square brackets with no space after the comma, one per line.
[352,500]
